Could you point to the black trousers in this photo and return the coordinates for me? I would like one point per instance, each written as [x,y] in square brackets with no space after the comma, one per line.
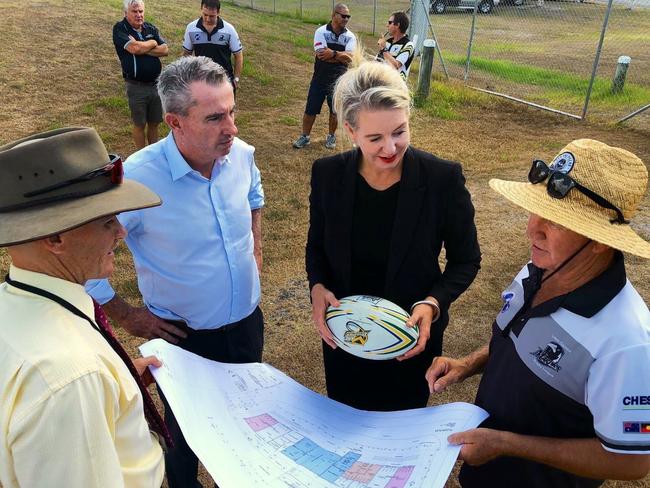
[375,385]
[239,342]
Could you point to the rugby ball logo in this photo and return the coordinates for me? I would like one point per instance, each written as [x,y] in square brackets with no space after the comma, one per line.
[371,327]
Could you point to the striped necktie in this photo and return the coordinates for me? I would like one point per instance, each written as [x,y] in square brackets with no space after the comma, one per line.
[152,416]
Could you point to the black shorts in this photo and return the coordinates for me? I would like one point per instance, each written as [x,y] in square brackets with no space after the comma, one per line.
[144,103]
[317,94]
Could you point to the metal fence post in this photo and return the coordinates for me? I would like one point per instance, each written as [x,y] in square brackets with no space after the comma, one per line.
[273,6]
[300,9]
[599,50]
[471,42]
[433,34]
[374,17]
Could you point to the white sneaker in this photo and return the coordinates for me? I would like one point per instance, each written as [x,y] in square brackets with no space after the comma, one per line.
[330,142]
[302,141]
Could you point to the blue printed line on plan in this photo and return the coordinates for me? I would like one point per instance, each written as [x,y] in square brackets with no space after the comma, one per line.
[326,464]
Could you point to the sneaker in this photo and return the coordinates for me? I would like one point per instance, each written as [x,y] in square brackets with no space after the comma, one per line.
[302,141]
[330,142]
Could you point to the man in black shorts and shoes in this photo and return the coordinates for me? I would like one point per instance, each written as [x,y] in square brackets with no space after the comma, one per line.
[334,45]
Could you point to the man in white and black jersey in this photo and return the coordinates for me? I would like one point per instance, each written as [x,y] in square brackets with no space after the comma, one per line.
[333,46]
[398,50]
[566,375]
[213,37]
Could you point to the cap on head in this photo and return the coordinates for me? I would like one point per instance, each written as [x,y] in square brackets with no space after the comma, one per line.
[613,173]
[58,180]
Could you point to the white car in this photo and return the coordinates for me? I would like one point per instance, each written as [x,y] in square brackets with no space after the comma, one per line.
[484,6]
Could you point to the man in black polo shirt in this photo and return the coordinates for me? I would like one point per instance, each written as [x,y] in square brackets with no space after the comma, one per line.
[140,47]
[566,375]
[334,45]
[213,37]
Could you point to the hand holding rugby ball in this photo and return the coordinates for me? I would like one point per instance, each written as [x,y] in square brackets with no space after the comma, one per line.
[371,327]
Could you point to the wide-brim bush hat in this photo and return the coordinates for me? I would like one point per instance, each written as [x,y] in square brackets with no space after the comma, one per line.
[612,173]
[54,181]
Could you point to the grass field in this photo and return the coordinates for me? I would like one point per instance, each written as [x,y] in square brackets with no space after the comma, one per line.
[73,78]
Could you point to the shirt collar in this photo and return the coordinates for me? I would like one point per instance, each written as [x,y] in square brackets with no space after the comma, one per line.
[73,293]
[178,167]
[592,297]
[331,29]
[130,27]
[588,299]
[199,24]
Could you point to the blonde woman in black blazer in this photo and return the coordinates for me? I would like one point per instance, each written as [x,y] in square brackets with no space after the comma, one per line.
[379,217]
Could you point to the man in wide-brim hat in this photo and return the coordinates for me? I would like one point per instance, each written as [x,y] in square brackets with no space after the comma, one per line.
[566,374]
[71,409]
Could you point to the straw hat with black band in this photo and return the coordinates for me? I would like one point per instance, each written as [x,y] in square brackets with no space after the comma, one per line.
[55,181]
[603,188]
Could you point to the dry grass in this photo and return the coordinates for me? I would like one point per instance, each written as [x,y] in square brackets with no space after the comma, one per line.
[74,79]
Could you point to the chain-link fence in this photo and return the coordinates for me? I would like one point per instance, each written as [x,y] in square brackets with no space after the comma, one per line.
[561,55]
[367,15]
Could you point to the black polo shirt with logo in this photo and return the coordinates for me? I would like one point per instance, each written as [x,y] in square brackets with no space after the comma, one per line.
[141,67]
[326,74]
[576,366]
[217,45]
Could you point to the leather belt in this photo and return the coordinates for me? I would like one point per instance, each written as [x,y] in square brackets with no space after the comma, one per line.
[144,83]
[190,331]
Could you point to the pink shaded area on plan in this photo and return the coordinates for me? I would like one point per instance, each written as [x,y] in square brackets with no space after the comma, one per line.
[362,472]
[260,422]
[400,477]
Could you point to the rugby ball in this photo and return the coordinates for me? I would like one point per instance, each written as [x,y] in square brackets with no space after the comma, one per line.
[371,327]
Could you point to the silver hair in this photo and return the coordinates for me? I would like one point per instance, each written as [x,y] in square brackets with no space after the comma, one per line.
[175,80]
[128,3]
[369,86]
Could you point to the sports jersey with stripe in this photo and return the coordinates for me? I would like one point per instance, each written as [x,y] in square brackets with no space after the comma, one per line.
[575,366]
[403,51]
[325,73]
[217,45]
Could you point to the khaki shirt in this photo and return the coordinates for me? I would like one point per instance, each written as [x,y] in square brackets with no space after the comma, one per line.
[70,412]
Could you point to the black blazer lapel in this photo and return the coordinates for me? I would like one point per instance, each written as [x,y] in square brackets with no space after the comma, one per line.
[345,206]
[409,205]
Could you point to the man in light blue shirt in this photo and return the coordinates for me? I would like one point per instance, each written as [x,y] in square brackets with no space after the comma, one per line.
[199,255]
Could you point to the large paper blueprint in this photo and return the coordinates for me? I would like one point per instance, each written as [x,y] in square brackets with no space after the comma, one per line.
[253,426]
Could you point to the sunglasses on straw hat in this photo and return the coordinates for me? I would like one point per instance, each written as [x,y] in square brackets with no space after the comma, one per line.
[560,184]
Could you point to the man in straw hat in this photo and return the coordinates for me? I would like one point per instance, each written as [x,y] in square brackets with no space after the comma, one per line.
[566,373]
[73,404]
